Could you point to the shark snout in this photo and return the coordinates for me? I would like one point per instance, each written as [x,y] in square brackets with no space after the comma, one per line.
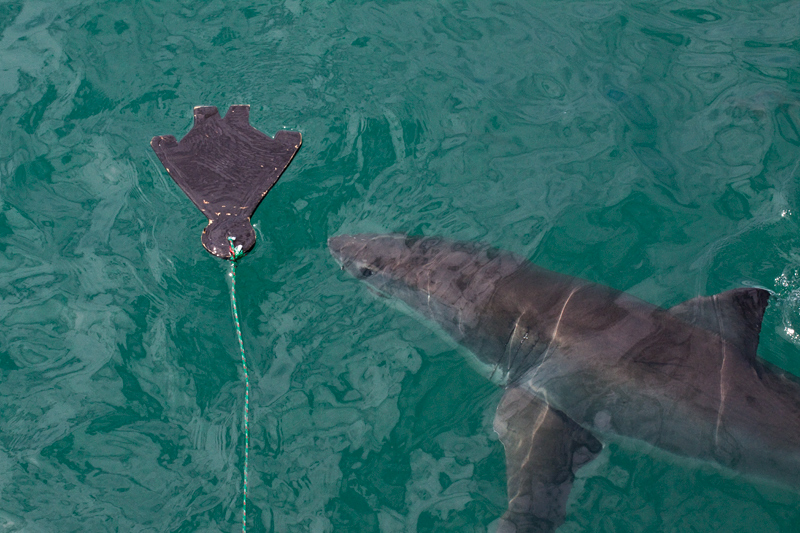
[335,245]
[364,254]
[347,250]
[342,248]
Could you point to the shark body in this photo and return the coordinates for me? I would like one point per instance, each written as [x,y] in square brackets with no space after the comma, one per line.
[583,363]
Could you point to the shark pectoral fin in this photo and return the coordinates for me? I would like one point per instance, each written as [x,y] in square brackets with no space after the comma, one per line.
[544,448]
[734,315]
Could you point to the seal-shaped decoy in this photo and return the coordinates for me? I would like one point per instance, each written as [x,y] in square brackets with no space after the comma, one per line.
[226,167]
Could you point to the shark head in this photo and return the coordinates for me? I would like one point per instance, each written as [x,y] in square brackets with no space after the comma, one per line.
[467,289]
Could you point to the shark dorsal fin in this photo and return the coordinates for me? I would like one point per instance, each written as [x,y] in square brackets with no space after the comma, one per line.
[734,315]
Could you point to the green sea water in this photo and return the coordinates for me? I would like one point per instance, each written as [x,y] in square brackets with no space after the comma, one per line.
[650,146]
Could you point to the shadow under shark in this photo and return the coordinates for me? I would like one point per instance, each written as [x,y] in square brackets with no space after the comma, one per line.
[583,363]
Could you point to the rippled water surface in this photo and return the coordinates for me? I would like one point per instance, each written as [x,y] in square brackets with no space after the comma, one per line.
[650,146]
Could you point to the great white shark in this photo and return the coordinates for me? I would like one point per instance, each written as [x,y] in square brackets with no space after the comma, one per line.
[584,363]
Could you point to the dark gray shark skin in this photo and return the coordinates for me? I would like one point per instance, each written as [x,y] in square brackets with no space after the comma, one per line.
[584,363]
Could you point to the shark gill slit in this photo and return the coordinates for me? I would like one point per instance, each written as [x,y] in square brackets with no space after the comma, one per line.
[560,316]
[722,389]
[512,355]
[553,337]
[509,347]
[428,291]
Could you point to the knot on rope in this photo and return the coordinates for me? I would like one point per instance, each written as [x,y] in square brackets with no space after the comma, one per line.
[236,251]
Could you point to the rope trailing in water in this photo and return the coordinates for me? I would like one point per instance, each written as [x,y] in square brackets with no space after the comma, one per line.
[236,254]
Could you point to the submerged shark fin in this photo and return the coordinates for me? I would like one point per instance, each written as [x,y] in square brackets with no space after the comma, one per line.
[734,315]
[544,448]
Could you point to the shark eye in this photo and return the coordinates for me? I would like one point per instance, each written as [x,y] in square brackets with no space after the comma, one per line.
[365,272]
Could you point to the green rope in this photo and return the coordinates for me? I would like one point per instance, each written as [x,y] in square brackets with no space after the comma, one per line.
[236,254]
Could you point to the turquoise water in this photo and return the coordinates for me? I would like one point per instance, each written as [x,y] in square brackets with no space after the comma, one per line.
[653,147]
